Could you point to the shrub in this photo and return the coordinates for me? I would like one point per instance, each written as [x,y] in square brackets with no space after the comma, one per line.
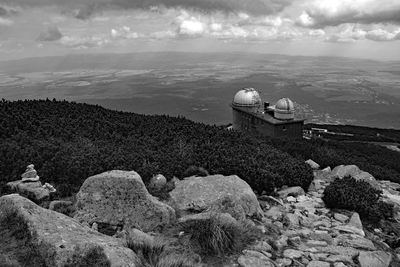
[216,236]
[157,253]
[91,257]
[359,196]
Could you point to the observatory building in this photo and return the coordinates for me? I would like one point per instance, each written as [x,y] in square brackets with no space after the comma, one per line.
[250,114]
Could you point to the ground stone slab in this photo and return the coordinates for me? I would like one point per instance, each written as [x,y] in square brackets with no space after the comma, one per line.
[120,198]
[318,264]
[374,259]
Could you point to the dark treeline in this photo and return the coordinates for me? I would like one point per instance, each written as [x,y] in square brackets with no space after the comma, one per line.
[69,142]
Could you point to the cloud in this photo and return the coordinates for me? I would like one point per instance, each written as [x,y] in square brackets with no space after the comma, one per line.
[348,33]
[52,33]
[191,27]
[382,35]
[124,33]
[322,13]
[79,42]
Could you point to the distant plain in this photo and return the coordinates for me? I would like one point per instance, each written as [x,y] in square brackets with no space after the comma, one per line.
[201,86]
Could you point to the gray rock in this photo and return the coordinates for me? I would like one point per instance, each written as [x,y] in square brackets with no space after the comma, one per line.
[374,259]
[312,164]
[292,219]
[50,238]
[367,177]
[119,198]
[342,171]
[339,264]
[340,217]
[292,253]
[354,241]
[318,264]
[198,194]
[30,174]
[294,191]
[157,182]
[254,259]
[353,226]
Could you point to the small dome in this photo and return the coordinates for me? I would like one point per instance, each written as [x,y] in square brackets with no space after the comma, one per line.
[247,97]
[284,109]
[284,105]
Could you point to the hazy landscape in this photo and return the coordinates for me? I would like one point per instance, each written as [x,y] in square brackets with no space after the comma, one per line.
[200,86]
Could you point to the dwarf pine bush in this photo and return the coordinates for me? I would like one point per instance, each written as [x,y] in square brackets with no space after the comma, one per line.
[359,196]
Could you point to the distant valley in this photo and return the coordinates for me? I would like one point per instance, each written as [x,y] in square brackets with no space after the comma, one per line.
[201,86]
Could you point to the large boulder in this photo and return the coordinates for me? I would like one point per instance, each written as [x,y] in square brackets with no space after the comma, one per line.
[34,236]
[342,171]
[367,177]
[120,199]
[216,193]
[312,164]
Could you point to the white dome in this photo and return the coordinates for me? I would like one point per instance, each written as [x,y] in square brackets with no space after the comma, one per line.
[284,109]
[284,105]
[247,97]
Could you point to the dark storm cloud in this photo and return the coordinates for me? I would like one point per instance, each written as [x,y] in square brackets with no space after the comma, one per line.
[322,13]
[52,33]
[87,7]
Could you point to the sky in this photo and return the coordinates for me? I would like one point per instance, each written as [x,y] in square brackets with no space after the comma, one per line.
[350,28]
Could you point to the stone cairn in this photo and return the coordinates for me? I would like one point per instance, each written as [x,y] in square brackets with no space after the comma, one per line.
[30,186]
[30,174]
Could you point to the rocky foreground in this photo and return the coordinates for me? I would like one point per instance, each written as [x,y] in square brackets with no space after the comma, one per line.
[296,228]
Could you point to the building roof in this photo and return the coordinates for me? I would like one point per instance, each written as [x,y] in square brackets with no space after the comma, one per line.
[268,117]
[247,97]
[284,105]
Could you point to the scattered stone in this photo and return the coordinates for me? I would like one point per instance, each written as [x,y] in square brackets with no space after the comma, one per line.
[293,219]
[312,164]
[353,226]
[374,259]
[317,243]
[120,199]
[49,238]
[275,213]
[49,187]
[355,241]
[291,199]
[292,253]
[294,191]
[254,259]
[197,194]
[340,217]
[339,264]
[367,177]
[318,264]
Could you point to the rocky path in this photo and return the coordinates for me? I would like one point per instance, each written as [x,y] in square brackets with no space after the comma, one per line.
[301,231]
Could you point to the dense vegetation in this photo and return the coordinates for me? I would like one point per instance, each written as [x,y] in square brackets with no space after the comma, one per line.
[69,142]
[359,196]
[381,162]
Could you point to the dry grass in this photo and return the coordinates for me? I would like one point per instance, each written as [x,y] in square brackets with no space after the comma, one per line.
[158,253]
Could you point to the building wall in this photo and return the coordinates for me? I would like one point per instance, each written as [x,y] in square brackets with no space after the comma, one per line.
[246,122]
